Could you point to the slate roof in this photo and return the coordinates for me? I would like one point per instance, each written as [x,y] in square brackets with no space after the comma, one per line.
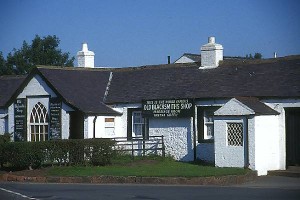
[257,106]
[197,57]
[193,57]
[8,85]
[275,78]
[81,88]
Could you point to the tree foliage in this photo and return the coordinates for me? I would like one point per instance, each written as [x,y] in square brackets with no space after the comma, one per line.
[42,51]
[256,56]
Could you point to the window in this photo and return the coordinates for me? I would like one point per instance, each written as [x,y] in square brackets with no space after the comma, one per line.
[137,126]
[110,127]
[38,123]
[235,134]
[205,123]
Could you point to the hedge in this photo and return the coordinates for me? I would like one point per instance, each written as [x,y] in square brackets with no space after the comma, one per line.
[22,155]
[3,139]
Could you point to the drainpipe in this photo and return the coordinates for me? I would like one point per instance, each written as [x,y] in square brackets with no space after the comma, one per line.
[246,144]
[194,132]
[94,128]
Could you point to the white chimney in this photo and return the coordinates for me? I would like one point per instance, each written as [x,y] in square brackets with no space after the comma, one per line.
[211,54]
[85,57]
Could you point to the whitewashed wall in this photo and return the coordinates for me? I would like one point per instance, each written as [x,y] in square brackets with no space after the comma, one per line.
[206,152]
[100,127]
[177,132]
[3,121]
[267,155]
[178,136]
[279,105]
[225,155]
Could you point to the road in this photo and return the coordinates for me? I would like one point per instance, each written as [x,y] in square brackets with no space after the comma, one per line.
[264,188]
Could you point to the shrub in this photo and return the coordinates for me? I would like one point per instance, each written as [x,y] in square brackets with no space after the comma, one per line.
[3,140]
[21,155]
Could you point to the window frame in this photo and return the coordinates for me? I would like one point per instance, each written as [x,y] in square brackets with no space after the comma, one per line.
[202,123]
[36,124]
[108,125]
[130,124]
[242,134]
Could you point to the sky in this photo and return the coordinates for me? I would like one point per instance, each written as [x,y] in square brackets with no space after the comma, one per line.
[125,33]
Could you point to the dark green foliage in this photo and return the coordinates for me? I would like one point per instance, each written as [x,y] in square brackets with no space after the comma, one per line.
[22,155]
[4,139]
[256,56]
[42,51]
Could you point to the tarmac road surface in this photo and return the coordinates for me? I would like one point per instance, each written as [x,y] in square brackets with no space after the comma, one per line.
[263,188]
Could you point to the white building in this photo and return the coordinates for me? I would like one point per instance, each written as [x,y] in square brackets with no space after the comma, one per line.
[232,112]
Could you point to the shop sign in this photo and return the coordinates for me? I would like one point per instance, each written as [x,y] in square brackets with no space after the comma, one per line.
[168,108]
[20,119]
[55,118]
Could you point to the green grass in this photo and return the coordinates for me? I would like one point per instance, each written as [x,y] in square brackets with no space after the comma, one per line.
[147,168]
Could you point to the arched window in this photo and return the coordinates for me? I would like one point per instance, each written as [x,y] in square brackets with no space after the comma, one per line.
[38,123]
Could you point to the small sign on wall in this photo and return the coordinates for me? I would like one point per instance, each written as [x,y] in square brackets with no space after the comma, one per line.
[55,118]
[168,108]
[20,119]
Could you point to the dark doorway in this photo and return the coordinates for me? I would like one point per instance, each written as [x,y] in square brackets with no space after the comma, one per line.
[292,136]
[76,125]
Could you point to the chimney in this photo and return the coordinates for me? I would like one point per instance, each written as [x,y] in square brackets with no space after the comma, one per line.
[211,54]
[85,57]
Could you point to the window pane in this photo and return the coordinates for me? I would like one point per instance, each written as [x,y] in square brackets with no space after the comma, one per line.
[210,131]
[235,134]
[37,137]
[137,129]
[109,119]
[31,118]
[32,129]
[36,129]
[46,137]
[32,138]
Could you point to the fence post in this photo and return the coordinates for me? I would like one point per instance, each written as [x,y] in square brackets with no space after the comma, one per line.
[132,151]
[163,146]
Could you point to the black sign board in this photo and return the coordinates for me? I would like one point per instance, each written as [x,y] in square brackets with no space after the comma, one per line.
[55,118]
[20,119]
[168,108]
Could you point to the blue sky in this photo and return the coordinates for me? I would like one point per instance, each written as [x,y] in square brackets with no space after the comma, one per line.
[139,32]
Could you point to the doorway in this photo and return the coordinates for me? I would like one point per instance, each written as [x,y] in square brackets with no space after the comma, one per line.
[76,125]
[293,136]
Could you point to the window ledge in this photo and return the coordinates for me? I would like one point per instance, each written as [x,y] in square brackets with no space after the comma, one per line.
[206,141]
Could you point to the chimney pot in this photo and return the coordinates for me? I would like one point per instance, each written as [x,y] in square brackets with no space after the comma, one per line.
[211,40]
[84,46]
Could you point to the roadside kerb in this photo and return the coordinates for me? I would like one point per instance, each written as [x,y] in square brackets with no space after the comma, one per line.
[218,180]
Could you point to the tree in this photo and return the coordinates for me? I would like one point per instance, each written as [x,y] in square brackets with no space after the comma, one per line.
[42,51]
[4,70]
[257,56]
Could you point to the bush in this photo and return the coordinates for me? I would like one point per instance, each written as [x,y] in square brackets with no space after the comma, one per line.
[22,155]
[3,140]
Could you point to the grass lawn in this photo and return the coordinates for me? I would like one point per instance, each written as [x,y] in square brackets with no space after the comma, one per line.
[158,167]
